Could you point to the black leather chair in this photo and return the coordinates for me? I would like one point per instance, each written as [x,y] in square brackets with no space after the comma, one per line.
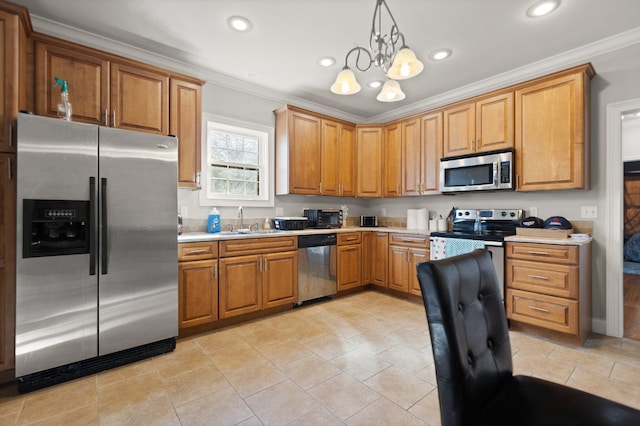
[472,353]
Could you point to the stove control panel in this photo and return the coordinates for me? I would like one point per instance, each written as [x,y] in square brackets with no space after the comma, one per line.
[511,215]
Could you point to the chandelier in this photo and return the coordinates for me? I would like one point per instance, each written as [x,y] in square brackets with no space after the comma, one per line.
[387,52]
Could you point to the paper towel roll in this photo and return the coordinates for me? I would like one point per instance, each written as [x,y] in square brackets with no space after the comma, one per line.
[412,218]
[423,219]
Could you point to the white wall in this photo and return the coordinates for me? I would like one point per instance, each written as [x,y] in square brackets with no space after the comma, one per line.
[631,140]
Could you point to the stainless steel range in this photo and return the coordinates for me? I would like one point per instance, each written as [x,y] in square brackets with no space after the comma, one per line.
[476,228]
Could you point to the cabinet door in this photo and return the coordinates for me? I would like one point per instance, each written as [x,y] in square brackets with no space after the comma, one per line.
[551,134]
[7,259]
[459,130]
[416,256]
[412,158]
[368,241]
[279,278]
[380,258]
[398,268]
[369,164]
[185,117]
[240,285]
[139,99]
[197,292]
[347,154]
[88,77]
[494,123]
[9,71]
[431,151]
[304,154]
[349,266]
[329,158]
[392,182]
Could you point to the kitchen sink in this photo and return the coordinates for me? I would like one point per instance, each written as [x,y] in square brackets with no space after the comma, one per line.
[259,232]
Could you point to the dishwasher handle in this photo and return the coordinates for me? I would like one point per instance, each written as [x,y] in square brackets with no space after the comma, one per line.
[317,240]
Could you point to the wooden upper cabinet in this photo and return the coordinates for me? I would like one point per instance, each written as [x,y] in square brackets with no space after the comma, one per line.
[431,146]
[185,112]
[413,158]
[484,125]
[139,99]
[298,152]
[552,132]
[9,48]
[348,162]
[392,165]
[330,157]
[88,77]
[459,129]
[369,163]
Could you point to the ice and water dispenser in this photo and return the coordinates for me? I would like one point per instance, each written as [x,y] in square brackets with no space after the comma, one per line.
[55,227]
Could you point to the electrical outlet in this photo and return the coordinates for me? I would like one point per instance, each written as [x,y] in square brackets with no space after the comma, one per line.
[184,211]
[589,212]
[533,211]
[383,212]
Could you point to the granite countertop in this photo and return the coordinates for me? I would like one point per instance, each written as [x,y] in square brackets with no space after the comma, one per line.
[189,237]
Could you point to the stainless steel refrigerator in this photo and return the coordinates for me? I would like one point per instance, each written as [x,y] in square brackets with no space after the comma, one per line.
[97,271]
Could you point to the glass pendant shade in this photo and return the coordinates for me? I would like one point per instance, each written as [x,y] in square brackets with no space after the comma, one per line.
[391,92]
[345,83]
[405,65]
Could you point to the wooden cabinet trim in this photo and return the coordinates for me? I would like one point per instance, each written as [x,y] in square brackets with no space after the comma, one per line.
[409,240]
[544,311]
[349,238]
[198,292]
[546,278]
[556,253]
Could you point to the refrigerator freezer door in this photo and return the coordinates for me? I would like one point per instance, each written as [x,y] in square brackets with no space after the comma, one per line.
[138,290]
[56,304]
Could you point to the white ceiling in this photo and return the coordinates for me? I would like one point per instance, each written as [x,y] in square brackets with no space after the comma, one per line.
[488,37]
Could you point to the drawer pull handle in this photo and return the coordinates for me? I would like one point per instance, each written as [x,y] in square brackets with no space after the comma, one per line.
[539,253]
[196,252]
[411,240]
[538,277]
[535,308]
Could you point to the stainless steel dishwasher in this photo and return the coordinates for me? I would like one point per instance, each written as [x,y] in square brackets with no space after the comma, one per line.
[317,265]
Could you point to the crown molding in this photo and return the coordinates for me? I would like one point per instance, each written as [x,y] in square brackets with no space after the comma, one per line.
[540,68]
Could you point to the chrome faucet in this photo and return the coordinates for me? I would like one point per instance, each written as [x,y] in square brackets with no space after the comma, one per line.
[241,216]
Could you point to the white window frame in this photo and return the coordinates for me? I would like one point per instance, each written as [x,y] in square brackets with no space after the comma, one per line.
[265,135]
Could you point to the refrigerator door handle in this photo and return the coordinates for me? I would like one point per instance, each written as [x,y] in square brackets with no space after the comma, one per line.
[92,225]
[103,236]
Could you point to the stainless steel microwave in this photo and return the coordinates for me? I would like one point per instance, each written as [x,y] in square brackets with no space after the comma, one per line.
[485,171]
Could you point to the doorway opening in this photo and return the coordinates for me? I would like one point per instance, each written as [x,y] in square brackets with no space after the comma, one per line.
[616,215]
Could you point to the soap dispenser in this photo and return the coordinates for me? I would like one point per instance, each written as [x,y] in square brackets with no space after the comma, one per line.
[64,107]
[213,221]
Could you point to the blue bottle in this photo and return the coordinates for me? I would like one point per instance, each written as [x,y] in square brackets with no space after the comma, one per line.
[213,221]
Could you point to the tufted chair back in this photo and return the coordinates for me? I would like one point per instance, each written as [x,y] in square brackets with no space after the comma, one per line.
[469,333]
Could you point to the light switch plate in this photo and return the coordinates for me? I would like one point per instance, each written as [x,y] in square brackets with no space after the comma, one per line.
[184,211]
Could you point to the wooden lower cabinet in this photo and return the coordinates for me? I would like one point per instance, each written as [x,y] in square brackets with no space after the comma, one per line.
[197,283]
[198,292]
[375,246]
[240,285]
[257,273]
[405,252]
[349,260]
[548,287]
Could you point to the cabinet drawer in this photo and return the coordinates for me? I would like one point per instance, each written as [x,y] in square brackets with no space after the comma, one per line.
[556,253]
[546,278]
[350,238]
[197,251]
[553,313]
[257,246]
[409,240]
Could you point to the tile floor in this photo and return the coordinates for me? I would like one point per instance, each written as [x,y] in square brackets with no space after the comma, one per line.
[358,360]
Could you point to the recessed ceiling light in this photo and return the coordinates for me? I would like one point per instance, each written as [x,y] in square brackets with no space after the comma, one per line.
[326,61]
[542,8]
[374,84]
[239,23]
[440,54]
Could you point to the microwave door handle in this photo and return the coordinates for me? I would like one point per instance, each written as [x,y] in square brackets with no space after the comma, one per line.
[496,179]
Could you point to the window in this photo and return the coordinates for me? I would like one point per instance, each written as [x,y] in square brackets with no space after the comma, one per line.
[236,162]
